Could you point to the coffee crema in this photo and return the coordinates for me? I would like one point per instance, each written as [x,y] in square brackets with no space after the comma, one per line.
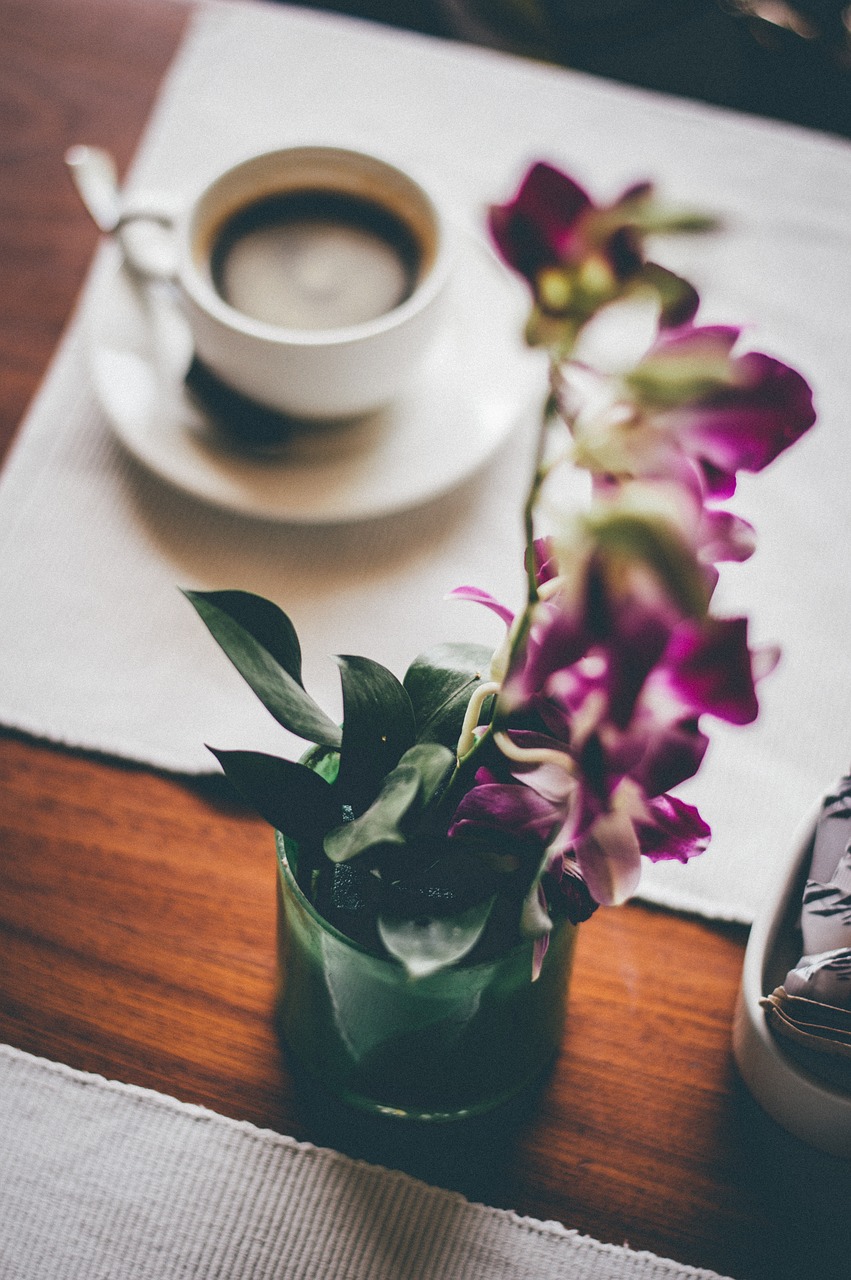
[315,259]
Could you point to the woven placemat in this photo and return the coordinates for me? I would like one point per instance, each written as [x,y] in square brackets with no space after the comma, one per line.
[100,1179]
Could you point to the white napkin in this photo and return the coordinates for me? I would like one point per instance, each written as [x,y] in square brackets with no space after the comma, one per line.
[97,647]
[102,1179]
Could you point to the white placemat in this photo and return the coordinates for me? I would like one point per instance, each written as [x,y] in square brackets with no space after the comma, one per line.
[98,649]
[99,1179]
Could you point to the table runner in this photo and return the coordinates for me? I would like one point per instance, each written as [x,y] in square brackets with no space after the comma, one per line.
[99,1179]
[99,651]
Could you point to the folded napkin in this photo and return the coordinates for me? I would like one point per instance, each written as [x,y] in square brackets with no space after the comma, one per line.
[102,1179]
[98,649]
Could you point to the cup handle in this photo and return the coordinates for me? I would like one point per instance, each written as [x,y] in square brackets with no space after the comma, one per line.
[146,235]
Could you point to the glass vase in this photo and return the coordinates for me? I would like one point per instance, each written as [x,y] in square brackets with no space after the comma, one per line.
[453,1044]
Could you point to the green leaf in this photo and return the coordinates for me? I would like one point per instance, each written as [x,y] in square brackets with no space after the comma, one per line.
[405,792]
[433,763]
[440,683]
[426,945]
[293,798]
[261,642]
[380,825]
[262,619]
[378,727]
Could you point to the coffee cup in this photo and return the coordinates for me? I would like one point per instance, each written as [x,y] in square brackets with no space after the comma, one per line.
[313,278]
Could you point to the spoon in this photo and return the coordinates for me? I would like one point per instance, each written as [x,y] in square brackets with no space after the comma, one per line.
[95,177]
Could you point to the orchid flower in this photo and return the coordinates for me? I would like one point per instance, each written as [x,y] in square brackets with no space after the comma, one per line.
[578,256]
[713,533]
[602,680]
[613,684]
[690,410]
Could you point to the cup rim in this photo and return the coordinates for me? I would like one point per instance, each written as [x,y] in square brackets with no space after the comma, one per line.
[203,294]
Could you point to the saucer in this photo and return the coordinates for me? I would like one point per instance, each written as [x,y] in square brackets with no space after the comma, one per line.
[475,385]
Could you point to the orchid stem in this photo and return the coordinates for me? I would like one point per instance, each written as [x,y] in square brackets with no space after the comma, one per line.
[539,475]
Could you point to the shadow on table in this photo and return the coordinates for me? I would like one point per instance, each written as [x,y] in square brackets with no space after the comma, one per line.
[804,1196]
[471,1156]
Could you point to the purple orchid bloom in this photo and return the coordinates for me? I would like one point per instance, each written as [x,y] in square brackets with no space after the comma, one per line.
[617,684]
[553,223]
[546,570]
[713,533]
[562,882]
[478,596]
[577,256]
[690,407]
[601,839]
[571,889]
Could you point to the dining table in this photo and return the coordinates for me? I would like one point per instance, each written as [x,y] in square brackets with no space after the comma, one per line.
[137,891]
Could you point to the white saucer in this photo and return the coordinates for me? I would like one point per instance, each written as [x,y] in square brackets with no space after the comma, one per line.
[475,385]
[809,1107]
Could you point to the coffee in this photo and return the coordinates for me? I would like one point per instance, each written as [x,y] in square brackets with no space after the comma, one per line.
[313,279]
[315,259]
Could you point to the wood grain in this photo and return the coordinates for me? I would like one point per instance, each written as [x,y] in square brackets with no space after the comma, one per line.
[137,910]
[84,71]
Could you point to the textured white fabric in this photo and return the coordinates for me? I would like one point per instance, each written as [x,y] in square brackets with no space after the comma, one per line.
[98,649]
[99,1179]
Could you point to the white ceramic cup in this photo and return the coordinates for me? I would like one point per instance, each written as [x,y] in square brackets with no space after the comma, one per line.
[346,369]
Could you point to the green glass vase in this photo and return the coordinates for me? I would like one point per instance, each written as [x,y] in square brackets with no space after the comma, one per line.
[457,1043]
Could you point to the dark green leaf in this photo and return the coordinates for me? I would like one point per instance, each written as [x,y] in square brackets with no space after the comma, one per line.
[426,945]
[294,799]
[380,825]
[432,762]
[262,619]
[323,760]
[404,793]
[261,642]
[440,683]
[378,727]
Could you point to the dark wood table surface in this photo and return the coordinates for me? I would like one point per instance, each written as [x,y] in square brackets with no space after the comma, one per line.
[137,910]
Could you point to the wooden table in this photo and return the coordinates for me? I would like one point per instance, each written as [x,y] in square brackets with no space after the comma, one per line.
[137,910]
